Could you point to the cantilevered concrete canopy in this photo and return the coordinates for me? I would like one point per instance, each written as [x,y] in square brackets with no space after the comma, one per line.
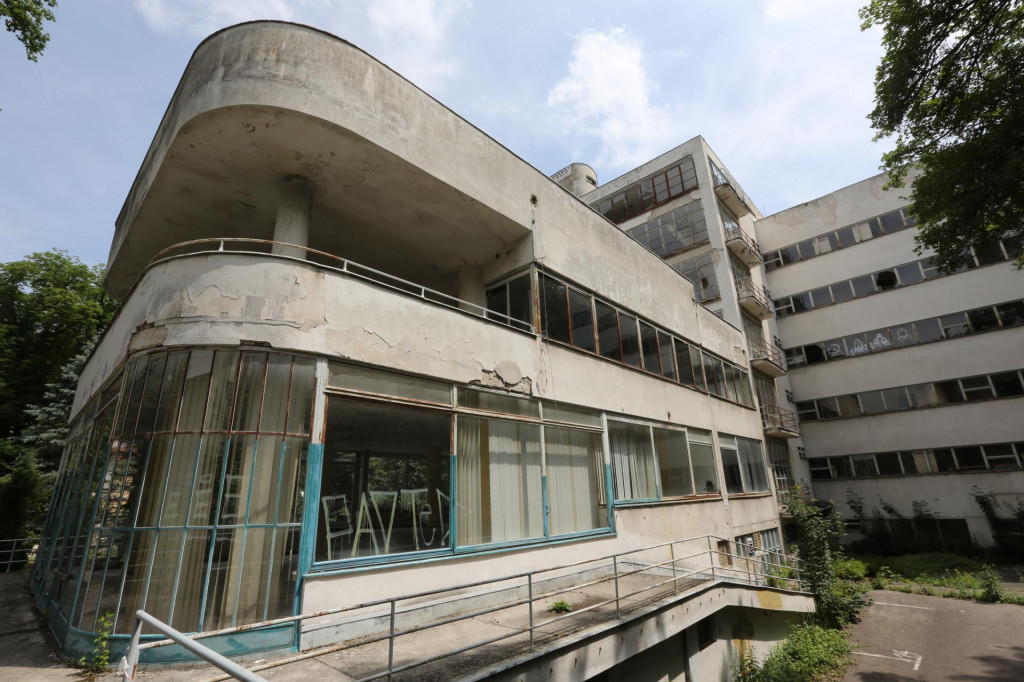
[388,161]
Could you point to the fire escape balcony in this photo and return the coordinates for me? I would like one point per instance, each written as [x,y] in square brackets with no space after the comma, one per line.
[729,193]
[779,422]
[742,245]
[754,299]
[766,359]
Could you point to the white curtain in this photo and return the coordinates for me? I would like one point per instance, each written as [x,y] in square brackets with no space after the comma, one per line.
[574,469]
[632,461]
[498,494]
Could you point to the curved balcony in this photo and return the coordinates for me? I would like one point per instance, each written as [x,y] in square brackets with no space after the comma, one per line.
[265,247]
[742,245]
[754,299]
[766,359]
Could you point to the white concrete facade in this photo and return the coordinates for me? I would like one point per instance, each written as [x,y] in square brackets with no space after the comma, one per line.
[402,220]
[930,356]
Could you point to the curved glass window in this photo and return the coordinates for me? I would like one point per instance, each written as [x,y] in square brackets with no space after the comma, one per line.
[189,499]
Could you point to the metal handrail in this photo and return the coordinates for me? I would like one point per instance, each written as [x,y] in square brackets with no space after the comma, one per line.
[760,349]
[763,568]
[733,231]
[774,416]
[129,664]
[348,267]
[16,554]
[745,287]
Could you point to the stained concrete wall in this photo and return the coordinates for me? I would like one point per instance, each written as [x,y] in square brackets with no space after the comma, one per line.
[949,495]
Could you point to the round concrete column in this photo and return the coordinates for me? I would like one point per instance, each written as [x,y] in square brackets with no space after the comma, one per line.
[293,211]
[471,287]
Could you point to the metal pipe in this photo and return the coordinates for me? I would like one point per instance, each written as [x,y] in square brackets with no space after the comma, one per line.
[529,587]
[615,568]
[391,642]
[187,643]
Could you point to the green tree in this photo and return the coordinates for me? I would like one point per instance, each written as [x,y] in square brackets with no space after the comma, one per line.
[51,306]
[24,18]
[949,91]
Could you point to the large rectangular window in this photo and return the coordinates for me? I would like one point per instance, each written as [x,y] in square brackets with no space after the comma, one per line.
[743,463]
[575,475]
[633,463]
[498,482]
[673,462]
[384,484]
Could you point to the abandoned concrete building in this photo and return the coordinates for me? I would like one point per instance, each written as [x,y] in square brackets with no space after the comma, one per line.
[365,353]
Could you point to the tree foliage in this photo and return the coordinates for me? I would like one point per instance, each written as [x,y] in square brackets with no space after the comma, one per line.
[51,306]
[949,90]
[24,18]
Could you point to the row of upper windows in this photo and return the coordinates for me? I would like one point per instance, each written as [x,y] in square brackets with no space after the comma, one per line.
[900,276]
[652,191]
[576,317]
[675,231]
[952,326]
[917,462]
[967,389]
[887,223]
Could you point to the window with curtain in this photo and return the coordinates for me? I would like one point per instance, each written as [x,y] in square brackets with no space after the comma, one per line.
[634,469]
[575,473]
[498,481]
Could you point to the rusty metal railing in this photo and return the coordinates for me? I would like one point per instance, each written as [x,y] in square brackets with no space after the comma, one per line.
[733,232]
[761,349]
[779,418]
[322,259]
[746,289]
[688,563]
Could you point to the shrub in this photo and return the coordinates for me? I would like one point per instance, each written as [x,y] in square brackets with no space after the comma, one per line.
[918,565]
[809,653]
[991,584]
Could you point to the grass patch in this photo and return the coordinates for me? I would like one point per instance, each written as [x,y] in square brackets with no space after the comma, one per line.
[915,566]
[560,606]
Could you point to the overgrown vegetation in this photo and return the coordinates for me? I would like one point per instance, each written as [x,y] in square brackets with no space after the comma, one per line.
[809,653]
[98,660]
[837,600]
[936,574]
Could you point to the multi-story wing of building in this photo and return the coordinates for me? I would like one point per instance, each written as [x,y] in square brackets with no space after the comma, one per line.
[908,380]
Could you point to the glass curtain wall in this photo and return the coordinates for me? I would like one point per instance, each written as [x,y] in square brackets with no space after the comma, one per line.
[196,493]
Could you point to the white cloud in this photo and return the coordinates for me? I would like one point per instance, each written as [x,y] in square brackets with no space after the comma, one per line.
[608,94]
[411,36]
[202,17]
[414,34]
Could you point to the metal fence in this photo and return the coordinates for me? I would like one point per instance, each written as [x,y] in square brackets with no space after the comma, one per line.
[624,583]
[16,554]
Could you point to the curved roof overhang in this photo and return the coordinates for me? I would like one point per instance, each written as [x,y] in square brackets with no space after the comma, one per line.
[402,183]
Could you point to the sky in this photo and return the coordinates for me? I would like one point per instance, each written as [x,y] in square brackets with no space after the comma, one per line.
[780,89]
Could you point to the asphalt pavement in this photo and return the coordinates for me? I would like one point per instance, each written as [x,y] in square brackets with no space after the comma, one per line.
[904,637]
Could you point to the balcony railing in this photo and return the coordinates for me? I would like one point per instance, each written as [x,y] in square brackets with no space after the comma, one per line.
[729,192]
[265,247]
[742,245]
[778,421]
[615,587]
[754,299]
[16,554]
[766,358]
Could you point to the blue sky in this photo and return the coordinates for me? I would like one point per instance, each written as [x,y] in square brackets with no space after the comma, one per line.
[779,88]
